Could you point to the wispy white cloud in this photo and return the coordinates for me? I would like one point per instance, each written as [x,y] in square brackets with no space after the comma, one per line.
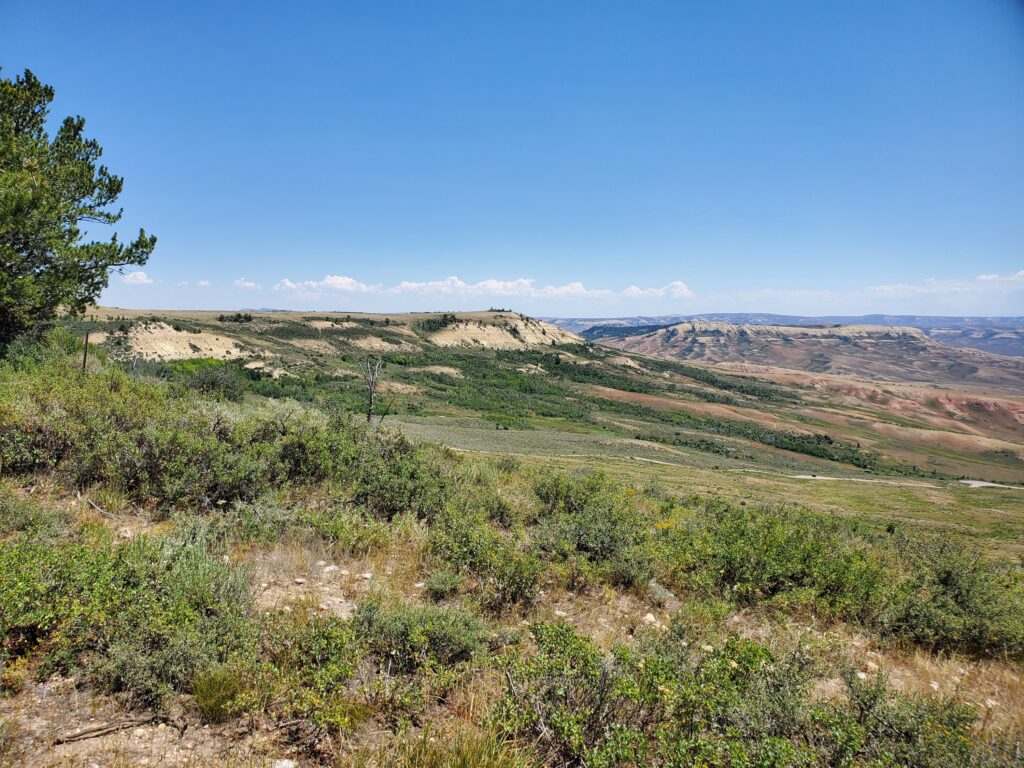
[524,288]
[1016,277]
[982,284]
[136,278]
[330,284]
[203,283]
[989,294]
[241,282]
[521,288]
[925,287]
[677,289]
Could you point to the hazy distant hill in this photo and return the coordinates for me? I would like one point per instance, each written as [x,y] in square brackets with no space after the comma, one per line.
[999,335]
[870,351]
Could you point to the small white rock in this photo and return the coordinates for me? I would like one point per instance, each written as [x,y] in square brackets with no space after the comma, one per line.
[321,563]
[420,585]
[285,763]
[933,685]
[650,619]
[991,703]
[862,675]
[300,581]
[561,614]
[330,569]
[344,572]
[367,576]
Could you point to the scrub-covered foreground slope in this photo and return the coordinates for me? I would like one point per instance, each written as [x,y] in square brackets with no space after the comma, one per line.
[200,573]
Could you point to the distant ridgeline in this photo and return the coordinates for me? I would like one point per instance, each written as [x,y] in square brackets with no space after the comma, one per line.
[998,335]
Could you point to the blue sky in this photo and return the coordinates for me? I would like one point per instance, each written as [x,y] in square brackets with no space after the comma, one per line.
[567,158]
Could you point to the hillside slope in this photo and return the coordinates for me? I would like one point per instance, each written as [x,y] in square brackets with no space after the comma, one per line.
[999,335]
[305,339]
[876,352]
[500,381]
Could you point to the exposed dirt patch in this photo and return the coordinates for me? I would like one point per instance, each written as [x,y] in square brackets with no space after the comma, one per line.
[398,388]
[289,575]
[159,341]
[504,332]
[531,368]
[328,325]
[314,345]
[626,361]
[44,713]
[307,570]
[261,365]
[377,344]
[444,370]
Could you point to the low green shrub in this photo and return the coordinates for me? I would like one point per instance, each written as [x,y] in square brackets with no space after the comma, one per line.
[137,437]
[392,476]
[443,583]
[411,636]
[670,701]
[466,541]
[934,593]
[351,531]
[221,382]
[301,669]
[23,515]
[215,692]
[507,463]
[261,520]
[511,579]
[140,617]
[760,554]
[497,507]
[949,597]
[592,519]
[320,652]
[465,750]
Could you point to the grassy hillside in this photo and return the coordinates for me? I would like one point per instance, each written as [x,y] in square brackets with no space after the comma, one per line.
[514,373]
[206,550]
